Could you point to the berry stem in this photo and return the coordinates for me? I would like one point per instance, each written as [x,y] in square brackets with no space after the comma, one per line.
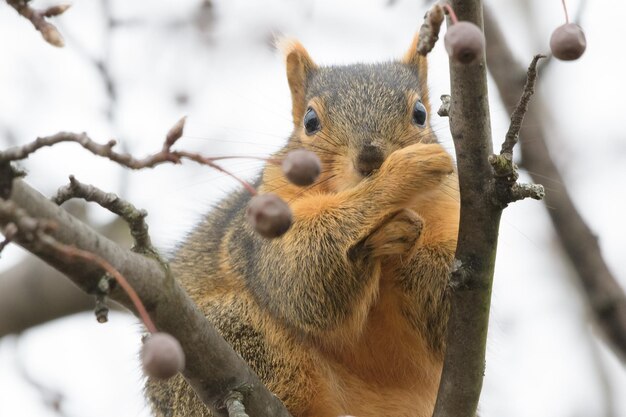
[92,257]
[451,13]
[209,161]
[565,10]
[258,158]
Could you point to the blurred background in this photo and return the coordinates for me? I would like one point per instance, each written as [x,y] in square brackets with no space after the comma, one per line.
[131,69]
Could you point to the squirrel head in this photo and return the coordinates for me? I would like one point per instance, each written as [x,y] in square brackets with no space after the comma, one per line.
[354,116]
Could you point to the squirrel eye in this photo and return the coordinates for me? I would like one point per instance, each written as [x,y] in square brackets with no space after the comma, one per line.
[419,114]
[311,122]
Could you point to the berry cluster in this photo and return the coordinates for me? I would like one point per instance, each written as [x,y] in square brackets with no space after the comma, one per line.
[464,41]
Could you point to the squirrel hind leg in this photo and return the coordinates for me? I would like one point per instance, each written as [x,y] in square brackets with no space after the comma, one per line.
[396,235]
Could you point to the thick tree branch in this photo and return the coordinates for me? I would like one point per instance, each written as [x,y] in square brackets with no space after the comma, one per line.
[484,194]
[461,380]
[605,296]
[213,369]
[33,293]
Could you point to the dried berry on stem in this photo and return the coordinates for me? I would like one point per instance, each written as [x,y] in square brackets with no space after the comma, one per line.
[162,356]
[269,215]
[568,41]
[301,167]
[464,41]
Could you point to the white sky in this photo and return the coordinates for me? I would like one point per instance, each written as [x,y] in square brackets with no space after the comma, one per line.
[543,357]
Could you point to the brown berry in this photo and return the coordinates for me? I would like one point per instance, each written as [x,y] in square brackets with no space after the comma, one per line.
[269,215]
[568,42]
[162,356]
[302,167]
[464,42]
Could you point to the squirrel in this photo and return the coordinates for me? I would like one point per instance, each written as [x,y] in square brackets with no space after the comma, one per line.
[345,314]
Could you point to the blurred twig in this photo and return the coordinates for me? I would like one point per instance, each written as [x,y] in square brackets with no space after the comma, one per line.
[601,371]
[605,296]
[52,398]
[38,18]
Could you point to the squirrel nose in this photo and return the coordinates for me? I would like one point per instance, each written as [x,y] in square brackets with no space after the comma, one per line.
[369,159]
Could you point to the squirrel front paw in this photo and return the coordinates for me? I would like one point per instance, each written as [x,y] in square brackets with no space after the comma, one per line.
[418,166]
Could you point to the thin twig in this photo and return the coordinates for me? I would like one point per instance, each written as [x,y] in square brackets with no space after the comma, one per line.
[444,109]
[110,201]
[507,188]
[429,31]
[234,405]
[521,191]
[52,398]
[517,117]
[165,155]
[38,18]
[106,151]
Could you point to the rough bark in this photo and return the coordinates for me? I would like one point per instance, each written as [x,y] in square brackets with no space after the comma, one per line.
[33,293]
[463,370]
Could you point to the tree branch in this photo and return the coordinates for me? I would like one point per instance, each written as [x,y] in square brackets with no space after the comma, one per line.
[504,168]
[461,380]
[512,135]
[484,194]
[33,293]
[213,369]
[132,216]
[165,155]
[605,296]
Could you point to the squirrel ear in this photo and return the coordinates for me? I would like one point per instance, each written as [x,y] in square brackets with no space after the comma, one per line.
[299,66]
[419,63]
